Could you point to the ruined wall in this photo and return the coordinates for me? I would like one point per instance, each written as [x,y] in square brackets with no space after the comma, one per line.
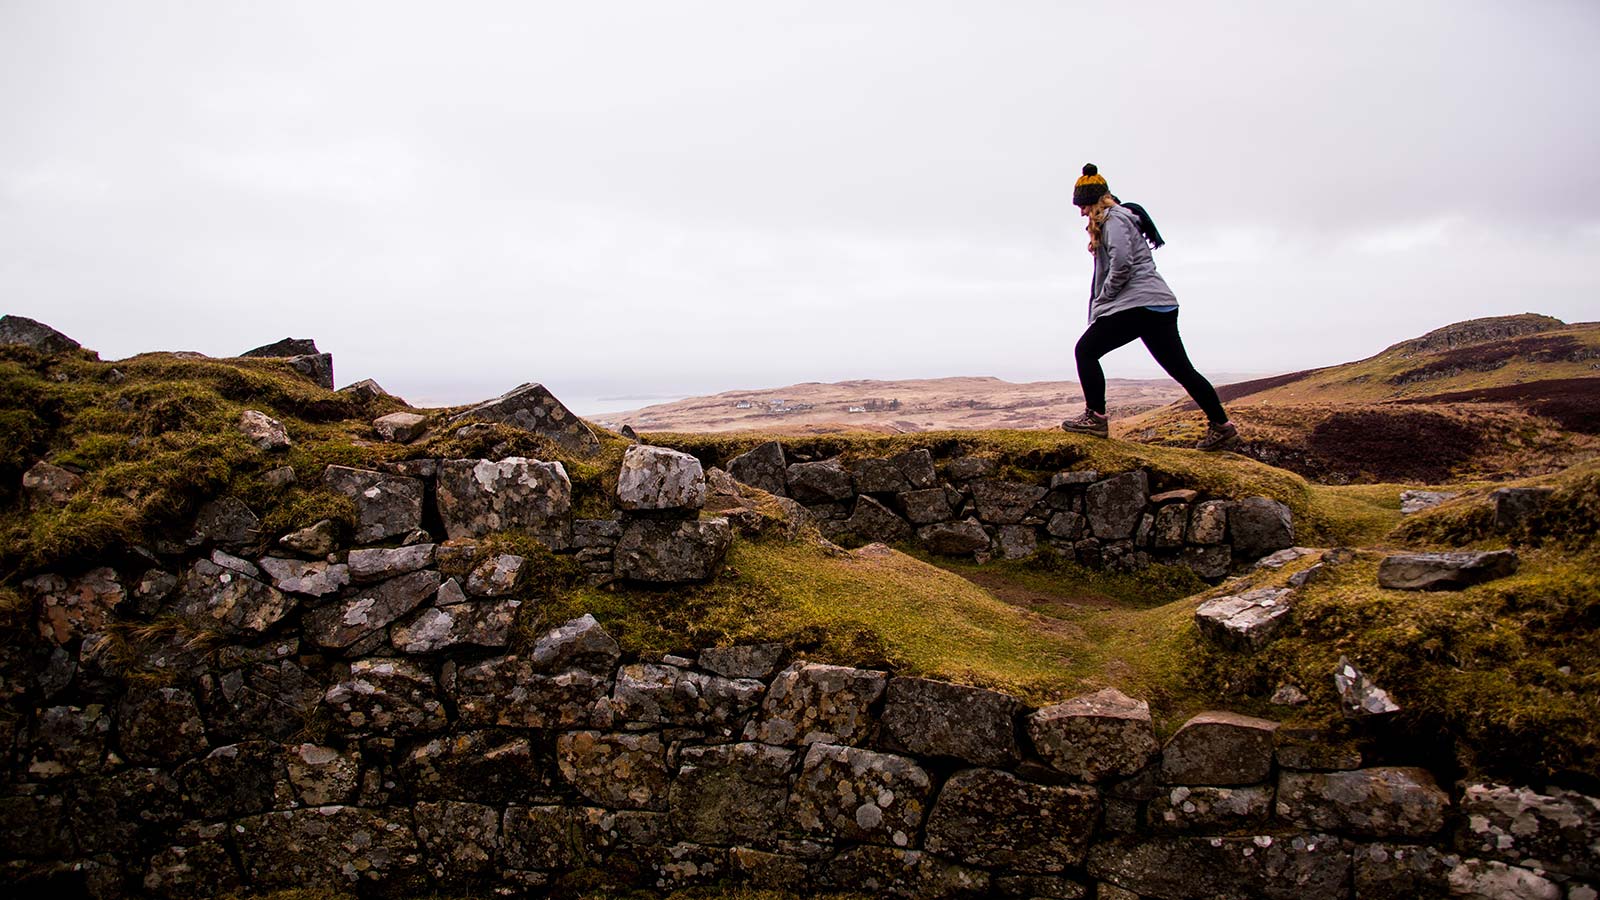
[959,507]
[238,709]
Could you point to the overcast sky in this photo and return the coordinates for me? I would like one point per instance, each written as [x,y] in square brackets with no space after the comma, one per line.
[661,198]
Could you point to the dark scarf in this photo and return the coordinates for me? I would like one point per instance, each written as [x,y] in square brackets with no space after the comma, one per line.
[1147,225]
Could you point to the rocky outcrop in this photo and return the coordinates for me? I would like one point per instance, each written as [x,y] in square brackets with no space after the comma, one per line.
[1444,571]
[21,331]
[1245,621]
[302,355]
[533,408]
[658,480]
[400,427]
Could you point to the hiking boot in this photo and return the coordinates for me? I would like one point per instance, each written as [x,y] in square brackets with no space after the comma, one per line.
[1218,437]
[1088,423]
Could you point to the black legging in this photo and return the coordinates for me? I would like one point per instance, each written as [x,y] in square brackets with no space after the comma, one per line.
[1159,331]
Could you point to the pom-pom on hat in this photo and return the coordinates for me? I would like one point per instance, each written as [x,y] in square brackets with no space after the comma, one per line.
[1090,188]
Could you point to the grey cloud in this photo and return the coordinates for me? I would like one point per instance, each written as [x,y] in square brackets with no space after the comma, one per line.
[665,198]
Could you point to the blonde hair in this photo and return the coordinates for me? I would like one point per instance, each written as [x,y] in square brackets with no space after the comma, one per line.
[1097,219]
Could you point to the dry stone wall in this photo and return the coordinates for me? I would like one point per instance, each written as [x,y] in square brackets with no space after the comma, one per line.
[236,710]
[473,770]
[961,507]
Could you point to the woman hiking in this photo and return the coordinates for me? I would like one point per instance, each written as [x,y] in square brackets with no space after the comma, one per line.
[1129,299]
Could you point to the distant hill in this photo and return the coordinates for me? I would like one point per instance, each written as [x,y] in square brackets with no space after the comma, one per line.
[1495,397]
[910,405]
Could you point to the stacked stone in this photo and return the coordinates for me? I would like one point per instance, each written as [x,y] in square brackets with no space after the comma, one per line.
[662,539]
[463,768]
[963,509]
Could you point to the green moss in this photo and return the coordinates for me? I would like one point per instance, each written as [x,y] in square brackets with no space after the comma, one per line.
[303,508]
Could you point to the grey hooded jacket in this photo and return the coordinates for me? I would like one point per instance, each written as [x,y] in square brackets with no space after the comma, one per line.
[1125,275]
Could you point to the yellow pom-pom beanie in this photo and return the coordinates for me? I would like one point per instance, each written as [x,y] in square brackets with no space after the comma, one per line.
[1090,188]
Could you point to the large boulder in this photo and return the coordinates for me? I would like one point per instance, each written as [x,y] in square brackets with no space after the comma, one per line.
[859,795]
[1381,802]
[1102,735]
[812,702]
[579,644]
[954,538]
[481,766]
[926,506]
[462,840]
[400,427]
[747,661]
[476,496]
[990,818]
[533,408]
[302,355]
[762,468]
[226,522]
[1245,621]
[1219,748]
[819,482]
[21,331]
[1514,508]
[283,348]
[672,552]
[1444,571]
[732,793]
[937,718]
[234,780]
[656,479]
[1114,505]
[875,522]
[386,505]
[1258,526]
